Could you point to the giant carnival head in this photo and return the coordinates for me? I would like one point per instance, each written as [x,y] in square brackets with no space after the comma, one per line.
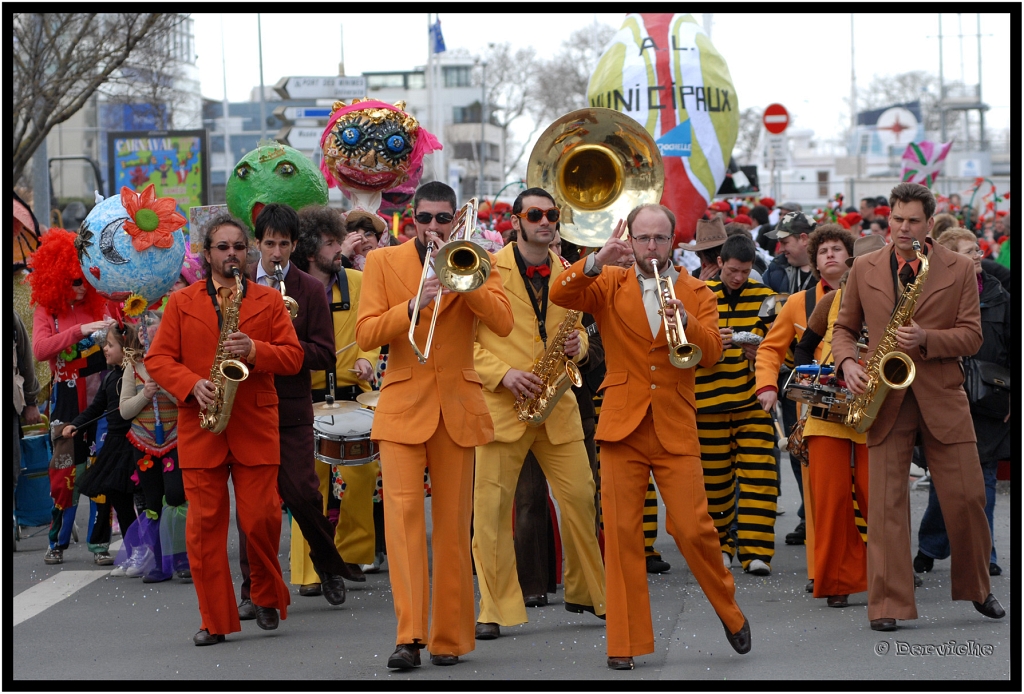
[371,147]
[273,173]
[132,244]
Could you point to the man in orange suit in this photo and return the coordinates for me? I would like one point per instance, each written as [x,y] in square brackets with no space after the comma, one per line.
[946,326]
[180,360]
[429,415]
[649,424]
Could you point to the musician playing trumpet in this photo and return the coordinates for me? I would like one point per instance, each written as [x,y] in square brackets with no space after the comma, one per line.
[648,423]
[507,367]
[432,415]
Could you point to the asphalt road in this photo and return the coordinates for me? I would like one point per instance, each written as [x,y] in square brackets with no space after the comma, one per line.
[74,622]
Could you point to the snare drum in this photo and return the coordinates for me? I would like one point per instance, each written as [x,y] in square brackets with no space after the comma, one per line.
[828,402]
[344,438]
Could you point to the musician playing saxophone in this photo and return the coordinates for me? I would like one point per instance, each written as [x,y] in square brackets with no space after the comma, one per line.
[179,360]
[945,325]
[506,367]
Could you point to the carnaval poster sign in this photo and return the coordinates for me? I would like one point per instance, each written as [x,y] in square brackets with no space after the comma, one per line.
[175,162]
[663,71]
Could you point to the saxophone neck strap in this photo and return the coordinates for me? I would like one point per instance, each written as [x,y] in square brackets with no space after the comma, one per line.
[211,289]
[540,304]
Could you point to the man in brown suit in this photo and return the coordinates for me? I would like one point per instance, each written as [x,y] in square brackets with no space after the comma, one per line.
[946,326]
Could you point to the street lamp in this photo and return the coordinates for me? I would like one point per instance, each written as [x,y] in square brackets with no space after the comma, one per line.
[483,122]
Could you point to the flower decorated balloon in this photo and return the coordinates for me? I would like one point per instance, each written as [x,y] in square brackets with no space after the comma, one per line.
[132,244]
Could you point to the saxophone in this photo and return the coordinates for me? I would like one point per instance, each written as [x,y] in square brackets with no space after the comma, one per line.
[556,370]
[226,373]
[889,369]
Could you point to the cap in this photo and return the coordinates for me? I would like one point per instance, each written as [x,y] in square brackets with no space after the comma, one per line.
[865,244]
[794,223]
[791,206]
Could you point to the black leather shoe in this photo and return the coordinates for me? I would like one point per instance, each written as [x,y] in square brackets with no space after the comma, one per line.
[205,638]
[883,624]
[838,600]
[333,589]
[809,588]
[580,609]
[246,611]
[994,570]
[486,631]
[799,534]
[406,656]
[923,563]
[918,581]
[620,663]
[353,572]
[310,590]
[990,608]
[444,659]
[266,617]
[740,641]
[536,600]
[657,565]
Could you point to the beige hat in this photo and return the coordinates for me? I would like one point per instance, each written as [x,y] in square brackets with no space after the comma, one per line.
[379,225]
[865,245]
[710,234]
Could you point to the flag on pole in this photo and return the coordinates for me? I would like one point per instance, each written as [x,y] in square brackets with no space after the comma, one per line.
[436,38]
[922,161]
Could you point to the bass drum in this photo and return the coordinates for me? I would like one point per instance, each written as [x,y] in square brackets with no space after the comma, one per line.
[344,438]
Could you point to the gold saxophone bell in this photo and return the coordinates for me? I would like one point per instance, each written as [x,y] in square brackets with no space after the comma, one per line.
[682,354]
[598,164]
[289,303]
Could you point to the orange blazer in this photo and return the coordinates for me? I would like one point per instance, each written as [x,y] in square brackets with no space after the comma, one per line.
[183,353]
[414,396]
[950,313]
[639,374]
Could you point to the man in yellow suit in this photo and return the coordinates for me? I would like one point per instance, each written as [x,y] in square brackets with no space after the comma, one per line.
[528,268]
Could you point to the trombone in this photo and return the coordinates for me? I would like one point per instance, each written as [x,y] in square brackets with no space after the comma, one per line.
[289,303]
[460,266]
[681,353]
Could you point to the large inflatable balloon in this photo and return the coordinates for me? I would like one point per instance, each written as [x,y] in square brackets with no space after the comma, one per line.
[663,71]
[273,173]
[132,244]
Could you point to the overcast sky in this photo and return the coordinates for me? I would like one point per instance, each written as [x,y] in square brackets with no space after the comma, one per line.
[799,60]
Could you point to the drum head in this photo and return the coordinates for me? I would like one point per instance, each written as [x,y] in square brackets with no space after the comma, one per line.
[352,423]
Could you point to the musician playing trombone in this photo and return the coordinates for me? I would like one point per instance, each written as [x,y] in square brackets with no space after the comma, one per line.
[430,414]
[648,421]
[506,365]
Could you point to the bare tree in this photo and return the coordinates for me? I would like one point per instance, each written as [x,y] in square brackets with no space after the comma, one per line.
[749,135]
[509,95]
[61,59]
[561,83]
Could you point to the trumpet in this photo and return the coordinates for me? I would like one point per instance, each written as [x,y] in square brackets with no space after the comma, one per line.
[681,353]
[289,303]
[460,266]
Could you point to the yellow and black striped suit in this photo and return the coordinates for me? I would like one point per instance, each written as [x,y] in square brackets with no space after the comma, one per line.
[736,435]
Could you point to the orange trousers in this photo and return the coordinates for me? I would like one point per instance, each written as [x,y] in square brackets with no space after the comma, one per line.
[258,507]
[625,468]
[448,608]
[840,555]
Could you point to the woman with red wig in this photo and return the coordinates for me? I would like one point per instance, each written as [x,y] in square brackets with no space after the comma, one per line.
[67,312]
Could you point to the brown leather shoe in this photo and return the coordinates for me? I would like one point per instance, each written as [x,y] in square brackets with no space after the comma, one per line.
[246,611]
[620,663]
[310,590]
[205,638]
[838,601]
[486,631]
[990,608]
[406,656]
[266,617]
[353,572]
[809,588]
[580,609]
[740,641]
[444,659]
[333,589]
[536,600]
[883,624]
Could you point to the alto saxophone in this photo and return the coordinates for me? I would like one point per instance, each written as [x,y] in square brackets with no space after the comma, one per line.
[226,373]
[889,369]
[556,370]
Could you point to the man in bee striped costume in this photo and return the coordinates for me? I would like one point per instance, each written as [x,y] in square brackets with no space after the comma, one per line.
[736,434]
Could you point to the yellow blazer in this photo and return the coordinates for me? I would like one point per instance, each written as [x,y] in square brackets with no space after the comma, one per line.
[495,355]
[414,397]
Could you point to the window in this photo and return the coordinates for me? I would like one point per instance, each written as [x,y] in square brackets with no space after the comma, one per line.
[416,80]
[466,114]
[457,76]
[385,81]
[823,184]
[465,150]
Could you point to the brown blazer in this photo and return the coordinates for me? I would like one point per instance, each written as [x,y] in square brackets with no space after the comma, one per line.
[949,311]
[414,396]
[639,373]
[183,352]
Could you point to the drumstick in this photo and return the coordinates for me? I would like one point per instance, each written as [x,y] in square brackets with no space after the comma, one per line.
[348,346]
[373,377]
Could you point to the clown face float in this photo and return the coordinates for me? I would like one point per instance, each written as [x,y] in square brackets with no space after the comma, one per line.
[273,173]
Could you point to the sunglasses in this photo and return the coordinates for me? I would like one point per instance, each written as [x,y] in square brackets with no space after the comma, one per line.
[535,214]
[222,247]
[77,283]
[441,217]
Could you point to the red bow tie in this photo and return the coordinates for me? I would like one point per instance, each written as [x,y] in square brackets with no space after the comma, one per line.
[542,270]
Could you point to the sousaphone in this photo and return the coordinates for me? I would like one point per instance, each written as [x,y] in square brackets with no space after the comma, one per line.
[598,164]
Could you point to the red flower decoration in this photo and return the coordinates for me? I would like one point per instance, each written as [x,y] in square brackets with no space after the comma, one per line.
[153,220]
[145,463]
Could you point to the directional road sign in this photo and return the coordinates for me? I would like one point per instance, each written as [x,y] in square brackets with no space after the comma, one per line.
[290,114]
[302,139]
[321,87]
[775,119]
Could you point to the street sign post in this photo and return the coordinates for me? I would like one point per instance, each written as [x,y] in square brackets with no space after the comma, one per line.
[321,87]
[775,119]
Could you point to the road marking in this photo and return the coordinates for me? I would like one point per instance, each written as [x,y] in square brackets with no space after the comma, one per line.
[48,593]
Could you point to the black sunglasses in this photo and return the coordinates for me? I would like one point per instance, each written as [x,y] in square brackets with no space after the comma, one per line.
[441,217]
[535,214]
[77,283]
[222,247]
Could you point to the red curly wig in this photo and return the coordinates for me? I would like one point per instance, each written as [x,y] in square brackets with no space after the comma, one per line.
[54,266]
